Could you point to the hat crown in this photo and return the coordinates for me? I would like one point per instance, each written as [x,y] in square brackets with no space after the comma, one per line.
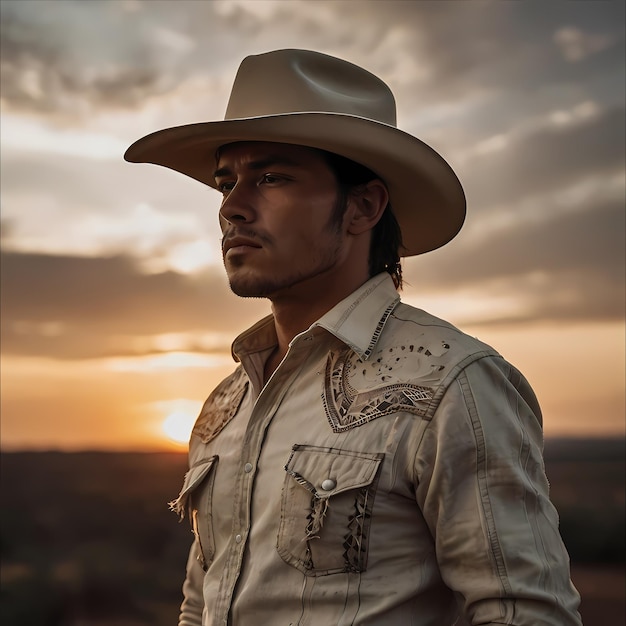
[303,81]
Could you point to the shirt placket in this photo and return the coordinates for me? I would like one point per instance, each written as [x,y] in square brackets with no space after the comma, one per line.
[263,411]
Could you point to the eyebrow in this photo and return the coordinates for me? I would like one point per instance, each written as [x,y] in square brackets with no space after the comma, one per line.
[260,164]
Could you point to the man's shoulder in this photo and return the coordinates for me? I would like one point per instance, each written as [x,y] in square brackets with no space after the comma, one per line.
[221,406]
[418,348]
[410,324]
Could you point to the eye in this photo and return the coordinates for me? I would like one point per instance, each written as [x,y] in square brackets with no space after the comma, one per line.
[225,186]
[271,179]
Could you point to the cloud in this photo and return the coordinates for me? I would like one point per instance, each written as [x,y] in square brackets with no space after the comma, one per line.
[64,204]
[32,135]
[545,158]
[79,307]
[174,62]
[84,56]
[576,45]
[525,100]
[558,268]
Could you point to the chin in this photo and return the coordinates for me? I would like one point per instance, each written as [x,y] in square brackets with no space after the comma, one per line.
[251,288]
[248,293]
[262,287]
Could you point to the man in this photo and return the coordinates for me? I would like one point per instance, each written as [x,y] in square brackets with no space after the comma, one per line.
[366,463]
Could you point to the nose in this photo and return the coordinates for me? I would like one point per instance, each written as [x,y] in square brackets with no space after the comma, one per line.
[236,206]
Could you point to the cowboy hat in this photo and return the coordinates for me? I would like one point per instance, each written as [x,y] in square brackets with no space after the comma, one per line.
[315,100]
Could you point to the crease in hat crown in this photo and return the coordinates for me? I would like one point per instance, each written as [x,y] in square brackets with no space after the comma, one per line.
[311,99]
[305,81]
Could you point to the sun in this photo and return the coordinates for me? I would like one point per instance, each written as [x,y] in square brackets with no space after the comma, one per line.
[177,425]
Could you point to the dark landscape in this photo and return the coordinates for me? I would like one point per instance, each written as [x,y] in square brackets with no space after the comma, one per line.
[87,538]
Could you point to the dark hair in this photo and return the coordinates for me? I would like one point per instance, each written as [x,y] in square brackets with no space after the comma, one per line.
[384,254]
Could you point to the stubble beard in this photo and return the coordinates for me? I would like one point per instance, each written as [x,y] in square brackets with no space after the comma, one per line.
[257,285]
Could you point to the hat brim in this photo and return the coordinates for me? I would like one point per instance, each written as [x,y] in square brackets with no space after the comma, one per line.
[426,195]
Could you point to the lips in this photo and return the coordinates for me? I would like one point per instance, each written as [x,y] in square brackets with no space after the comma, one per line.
[239,244]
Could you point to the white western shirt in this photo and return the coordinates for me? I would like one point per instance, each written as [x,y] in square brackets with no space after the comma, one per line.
[389,473]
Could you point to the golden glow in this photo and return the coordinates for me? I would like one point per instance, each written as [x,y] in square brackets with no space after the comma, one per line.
[577,371]
[193,256]
[177,426]
[168,361]
[180,416]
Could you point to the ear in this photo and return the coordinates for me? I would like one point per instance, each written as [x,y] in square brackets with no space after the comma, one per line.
[368,204]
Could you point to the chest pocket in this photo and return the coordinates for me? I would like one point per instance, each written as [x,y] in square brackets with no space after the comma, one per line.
[195,501]
[326,509]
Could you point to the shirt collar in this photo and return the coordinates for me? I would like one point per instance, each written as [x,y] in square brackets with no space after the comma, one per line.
[257,338]
[359,319]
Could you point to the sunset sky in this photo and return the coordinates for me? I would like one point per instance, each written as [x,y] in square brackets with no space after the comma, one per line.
[116,313]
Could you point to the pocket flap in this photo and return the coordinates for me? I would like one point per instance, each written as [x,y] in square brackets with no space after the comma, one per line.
[329,471]
[193,478]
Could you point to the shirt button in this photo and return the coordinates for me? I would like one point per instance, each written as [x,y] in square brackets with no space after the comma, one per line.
[247,468]
[329,484]
[238,538]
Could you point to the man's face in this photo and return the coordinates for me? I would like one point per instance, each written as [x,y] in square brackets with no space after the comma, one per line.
[277,218]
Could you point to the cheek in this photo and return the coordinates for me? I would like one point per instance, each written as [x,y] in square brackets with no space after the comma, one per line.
[318,211]
[325,200]
[298,216]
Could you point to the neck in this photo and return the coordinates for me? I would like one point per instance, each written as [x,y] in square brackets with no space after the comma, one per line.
[296,309]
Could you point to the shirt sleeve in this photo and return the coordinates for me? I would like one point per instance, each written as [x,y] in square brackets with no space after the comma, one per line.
[193,600]
[482,488]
